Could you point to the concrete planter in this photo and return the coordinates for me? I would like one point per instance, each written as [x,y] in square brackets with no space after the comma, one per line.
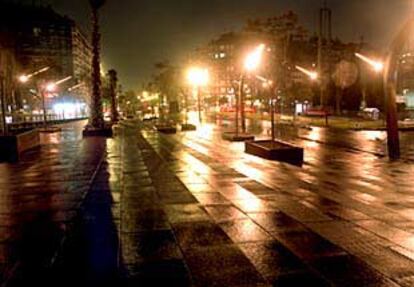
[240,137]
[188,127]
[13,146]
[166,129]
[106,131]
[276,150]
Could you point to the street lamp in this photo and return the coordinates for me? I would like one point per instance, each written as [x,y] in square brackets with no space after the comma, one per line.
[78,86]
[50,88]
[251,63]
[198,78]
[268,84]
[376,65]
[388,71]
[254,58]
[313,76]
[25,78]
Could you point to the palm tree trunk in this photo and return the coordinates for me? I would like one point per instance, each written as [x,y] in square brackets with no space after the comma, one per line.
[97,120]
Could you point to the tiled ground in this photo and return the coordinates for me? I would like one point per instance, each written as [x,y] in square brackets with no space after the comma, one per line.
[39,199]
[193,210]
[197,211]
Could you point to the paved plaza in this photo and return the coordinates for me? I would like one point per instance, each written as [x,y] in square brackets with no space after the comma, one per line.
[146,209]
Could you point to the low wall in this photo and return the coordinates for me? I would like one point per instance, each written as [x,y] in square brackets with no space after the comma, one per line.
[12,146]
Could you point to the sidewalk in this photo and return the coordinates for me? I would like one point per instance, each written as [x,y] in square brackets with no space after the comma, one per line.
[40,197]
[192,210]
[285,226]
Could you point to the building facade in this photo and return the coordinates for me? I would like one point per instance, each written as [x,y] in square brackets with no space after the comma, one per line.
[40,38]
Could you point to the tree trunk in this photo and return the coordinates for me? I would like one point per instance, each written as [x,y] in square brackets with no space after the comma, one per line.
[97,120]
[113,82]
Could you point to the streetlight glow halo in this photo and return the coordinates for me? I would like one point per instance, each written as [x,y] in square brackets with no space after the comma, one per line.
[254,58]
[377,66]
[311,74]
[198,77]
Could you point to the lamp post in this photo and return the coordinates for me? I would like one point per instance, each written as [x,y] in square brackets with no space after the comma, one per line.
[198,78]
[251,63]
[267,84]
[25,78]
[48,88]
[389,72]
[313,77]
[376,66]
[3,103]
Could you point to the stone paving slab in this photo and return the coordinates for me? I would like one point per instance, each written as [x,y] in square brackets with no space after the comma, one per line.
[292,214]
[39,198]
[193,210]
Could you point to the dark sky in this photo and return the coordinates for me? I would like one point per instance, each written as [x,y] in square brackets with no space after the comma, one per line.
[137,33]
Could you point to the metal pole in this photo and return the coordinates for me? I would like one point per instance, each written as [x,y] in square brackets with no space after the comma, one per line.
[242,112]
[272,116]
[238,107]
[320,55]
[3,104]
[186,108]
[199,104]
[42,91]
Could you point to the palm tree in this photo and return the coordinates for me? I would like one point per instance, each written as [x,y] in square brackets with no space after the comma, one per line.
[97,120]
[113,85]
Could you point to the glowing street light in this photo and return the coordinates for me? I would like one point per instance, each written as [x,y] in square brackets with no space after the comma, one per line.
[50,88]
[198,78]
[251,63]
[377,66]
[254,58]
[25,78]
[71,89]
[313,76]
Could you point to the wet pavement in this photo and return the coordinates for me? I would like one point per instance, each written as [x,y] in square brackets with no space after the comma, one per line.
[39,199]
[193,210]
[343,219]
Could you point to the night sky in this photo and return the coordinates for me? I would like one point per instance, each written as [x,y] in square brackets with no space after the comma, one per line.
[137,33]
